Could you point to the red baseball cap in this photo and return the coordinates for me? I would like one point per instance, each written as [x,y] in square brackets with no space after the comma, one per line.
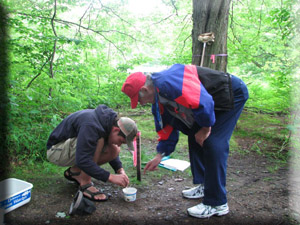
[132,86]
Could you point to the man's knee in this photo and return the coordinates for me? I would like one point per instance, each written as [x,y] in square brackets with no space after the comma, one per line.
[215,144]
[108,153]
[115,151]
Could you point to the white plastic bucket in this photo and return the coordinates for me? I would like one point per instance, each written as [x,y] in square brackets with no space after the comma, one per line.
[129,194]
[14,193]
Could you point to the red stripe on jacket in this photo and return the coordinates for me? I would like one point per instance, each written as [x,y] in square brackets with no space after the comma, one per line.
[191,90]
[165,133]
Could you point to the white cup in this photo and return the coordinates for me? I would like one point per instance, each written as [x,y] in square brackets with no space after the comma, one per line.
[129,194]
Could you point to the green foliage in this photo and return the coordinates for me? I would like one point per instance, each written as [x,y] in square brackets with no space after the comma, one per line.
[259,47]
[84,60]
[146,124]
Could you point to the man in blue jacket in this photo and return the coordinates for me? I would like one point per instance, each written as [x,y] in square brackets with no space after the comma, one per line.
[89,138]
[205,105]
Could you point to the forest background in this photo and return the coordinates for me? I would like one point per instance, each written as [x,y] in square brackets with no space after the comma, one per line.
[68,55]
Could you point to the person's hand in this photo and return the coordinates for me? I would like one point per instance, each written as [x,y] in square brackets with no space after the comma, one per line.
[119,179]
[152,165]
[202,135]
[121,171]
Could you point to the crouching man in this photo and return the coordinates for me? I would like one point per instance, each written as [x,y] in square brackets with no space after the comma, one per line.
[89,138]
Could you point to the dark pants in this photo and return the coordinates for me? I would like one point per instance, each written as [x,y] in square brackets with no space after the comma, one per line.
[209,163]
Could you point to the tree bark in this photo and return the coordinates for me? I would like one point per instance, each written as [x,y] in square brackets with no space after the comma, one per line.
[210,16]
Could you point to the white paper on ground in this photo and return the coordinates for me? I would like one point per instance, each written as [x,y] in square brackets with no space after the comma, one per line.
[176,164]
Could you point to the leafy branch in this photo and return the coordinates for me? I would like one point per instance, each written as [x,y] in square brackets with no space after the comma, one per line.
[164,19]
[83,17]
[173,3]
[78,25]
[54,46]
[115,14]
[187,18]
[48,59]
[99,32]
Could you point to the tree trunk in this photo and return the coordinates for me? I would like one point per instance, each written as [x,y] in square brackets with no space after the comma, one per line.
[210,16]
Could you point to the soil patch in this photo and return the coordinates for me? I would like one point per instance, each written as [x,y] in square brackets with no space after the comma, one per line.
[255,196]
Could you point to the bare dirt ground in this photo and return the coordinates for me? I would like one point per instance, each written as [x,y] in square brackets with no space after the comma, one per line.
[255,196]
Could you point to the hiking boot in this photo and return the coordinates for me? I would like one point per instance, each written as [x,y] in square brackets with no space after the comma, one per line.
[195,192]
[205,211]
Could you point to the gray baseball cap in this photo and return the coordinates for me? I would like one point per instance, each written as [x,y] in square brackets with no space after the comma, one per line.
[129,128]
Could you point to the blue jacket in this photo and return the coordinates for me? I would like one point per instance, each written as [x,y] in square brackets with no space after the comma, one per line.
[88,126]
[179,84]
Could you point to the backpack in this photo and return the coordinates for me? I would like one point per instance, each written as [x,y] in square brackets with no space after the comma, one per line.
[218,85]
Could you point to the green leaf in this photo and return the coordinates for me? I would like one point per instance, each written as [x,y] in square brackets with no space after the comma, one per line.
[34,111]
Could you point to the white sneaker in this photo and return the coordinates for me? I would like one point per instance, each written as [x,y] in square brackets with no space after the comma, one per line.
[205,211]
[195,192]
